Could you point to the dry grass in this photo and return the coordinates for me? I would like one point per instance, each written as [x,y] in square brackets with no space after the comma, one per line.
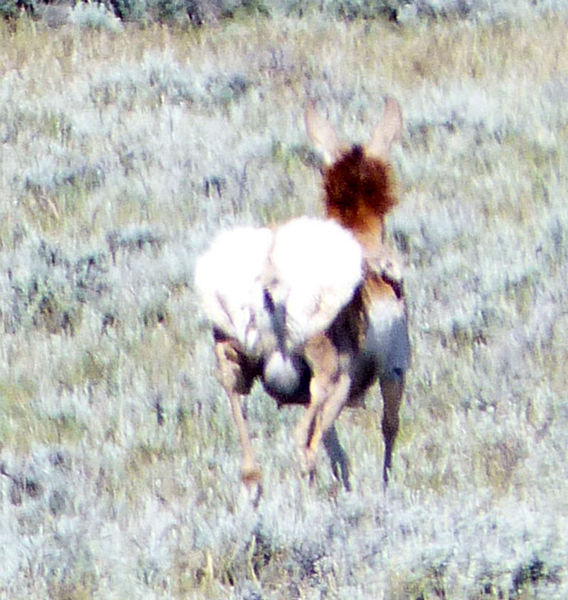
[121,154]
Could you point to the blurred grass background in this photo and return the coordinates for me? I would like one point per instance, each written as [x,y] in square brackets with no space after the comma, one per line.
[124,147]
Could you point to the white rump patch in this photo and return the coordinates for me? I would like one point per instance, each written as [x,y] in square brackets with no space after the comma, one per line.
[228,278]
[309,268]
[315,266]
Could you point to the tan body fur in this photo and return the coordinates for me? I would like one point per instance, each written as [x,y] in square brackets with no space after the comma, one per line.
[326,348]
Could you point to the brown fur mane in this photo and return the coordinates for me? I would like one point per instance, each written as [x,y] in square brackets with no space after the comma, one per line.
[358,191]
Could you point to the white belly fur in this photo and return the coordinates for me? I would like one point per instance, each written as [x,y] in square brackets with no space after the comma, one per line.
[387,338]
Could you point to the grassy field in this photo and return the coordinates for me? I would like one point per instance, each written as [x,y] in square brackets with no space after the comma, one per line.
[121,154]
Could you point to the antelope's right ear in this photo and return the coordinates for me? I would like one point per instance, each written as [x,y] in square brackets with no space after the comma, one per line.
[388,131]
[322,134]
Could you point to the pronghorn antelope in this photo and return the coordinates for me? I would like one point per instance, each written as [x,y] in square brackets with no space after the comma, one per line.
[314,308]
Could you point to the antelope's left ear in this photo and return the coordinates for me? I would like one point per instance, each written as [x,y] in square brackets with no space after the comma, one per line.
[388,131]
[322,134]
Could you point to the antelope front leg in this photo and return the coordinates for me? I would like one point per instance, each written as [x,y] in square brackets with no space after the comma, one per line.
[392,391]
[337,457]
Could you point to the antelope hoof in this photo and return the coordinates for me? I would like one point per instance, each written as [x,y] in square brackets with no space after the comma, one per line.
[251,478]
[308,459]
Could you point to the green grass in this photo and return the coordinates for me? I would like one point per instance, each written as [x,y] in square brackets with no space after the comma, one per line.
[122,154]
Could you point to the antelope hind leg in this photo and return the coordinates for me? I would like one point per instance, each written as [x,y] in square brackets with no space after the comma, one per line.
[304,428]
[324,364]
[237,380]
[325,418]
[250,471]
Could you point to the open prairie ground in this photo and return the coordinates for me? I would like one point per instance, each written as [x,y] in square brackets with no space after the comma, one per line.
[121,154]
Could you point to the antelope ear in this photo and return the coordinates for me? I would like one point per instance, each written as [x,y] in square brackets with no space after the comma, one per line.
[321,134]
[387,132]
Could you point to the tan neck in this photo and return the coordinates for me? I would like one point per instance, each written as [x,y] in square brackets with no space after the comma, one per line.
[371,237]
